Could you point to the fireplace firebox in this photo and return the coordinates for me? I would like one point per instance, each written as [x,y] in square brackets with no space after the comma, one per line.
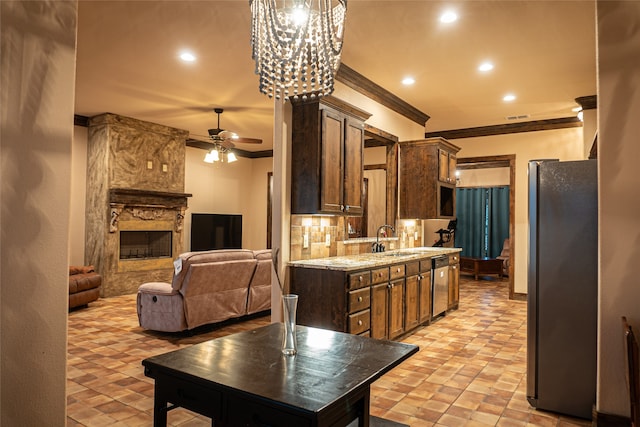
[145,244]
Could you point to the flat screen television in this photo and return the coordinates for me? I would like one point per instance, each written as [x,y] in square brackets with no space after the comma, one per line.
[215,231]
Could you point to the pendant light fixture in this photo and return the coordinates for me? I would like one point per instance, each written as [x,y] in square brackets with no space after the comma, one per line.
[296,45]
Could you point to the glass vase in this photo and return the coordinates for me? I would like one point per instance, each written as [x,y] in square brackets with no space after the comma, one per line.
[289,307]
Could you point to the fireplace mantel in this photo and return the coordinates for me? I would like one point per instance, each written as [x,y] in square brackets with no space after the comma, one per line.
[147,198]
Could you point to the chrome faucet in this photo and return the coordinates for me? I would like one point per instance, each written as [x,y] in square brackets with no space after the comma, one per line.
[377,246]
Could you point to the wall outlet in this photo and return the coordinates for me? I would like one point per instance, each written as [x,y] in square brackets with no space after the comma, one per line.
[327,240]
[305,240]
[149,164]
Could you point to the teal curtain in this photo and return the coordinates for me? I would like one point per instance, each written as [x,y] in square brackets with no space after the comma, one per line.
[483,220]
[498,207]
[471,216]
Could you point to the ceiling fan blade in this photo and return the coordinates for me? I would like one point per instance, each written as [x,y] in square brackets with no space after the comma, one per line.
[199,143]
[227,144]
[241,140]
[227,134]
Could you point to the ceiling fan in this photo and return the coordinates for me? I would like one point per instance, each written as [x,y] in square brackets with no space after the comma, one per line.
[226,138]
[220,142]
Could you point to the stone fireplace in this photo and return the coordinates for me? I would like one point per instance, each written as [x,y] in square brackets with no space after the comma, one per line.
[135,201]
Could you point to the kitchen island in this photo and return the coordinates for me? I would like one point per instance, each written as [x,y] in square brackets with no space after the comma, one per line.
[384,295]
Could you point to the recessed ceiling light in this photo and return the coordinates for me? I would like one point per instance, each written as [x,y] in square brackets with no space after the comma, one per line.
[448,17]
[187,57]
[509,97]
[407,81]
[485,66]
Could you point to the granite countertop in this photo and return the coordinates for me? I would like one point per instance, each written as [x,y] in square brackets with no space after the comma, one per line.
[372,260]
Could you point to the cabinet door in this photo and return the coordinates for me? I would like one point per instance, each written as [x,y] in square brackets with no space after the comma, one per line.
[411,305]
[353,166]
[331,176]
[453,164]
[396,308]
[454,285]
[379,311]
[424,289]
[443,165]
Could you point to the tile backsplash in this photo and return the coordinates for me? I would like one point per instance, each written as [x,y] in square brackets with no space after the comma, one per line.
[321,236]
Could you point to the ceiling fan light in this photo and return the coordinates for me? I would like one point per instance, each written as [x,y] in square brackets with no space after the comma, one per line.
[231,157]
[208,158]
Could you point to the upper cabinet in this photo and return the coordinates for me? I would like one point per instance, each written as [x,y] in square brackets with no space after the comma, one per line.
[447,165]
[427,178]
[327,157]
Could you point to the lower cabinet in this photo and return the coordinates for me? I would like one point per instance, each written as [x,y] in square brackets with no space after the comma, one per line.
[412,302]
[454,281]
[424,292]
[387,310]
[380,311]
[382,303]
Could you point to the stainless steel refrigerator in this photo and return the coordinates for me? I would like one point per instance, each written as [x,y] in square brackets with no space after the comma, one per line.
[562,286]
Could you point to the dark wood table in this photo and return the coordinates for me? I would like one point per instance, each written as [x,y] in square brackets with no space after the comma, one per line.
[478,266]
[244,380]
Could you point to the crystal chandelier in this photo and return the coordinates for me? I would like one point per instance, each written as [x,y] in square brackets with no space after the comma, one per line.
[296,45]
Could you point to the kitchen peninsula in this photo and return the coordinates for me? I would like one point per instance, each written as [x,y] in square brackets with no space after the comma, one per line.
[382,295]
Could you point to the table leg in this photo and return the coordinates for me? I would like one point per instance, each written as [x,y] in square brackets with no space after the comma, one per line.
[364,409]
[159,408]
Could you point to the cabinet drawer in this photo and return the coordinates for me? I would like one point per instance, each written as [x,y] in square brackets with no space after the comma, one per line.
[359,280]
[425,265]
[359,322]
[454,258]
[359,300]
[380,275]
[412,268]
[397,271]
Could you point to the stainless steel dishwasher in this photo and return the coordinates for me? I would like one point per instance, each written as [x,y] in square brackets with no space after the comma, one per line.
[440,284]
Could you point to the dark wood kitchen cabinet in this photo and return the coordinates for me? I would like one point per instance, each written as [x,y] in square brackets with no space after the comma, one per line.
[386,300]
[333,299]
[424,292]
[427,178]
[447,162]
[454,281]
[388,304]
[327,157]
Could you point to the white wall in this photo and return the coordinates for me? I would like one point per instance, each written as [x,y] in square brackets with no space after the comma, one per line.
[619,193]
[489,177]
[563,144]
[229,188]
[38,80]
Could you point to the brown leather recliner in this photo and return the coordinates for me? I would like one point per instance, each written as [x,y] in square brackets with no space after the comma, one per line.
[207,287]
[84,285]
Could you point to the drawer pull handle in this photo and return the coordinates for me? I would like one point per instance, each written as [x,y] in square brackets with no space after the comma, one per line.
[398,270]
[360,278]
[359,322]
[359,299]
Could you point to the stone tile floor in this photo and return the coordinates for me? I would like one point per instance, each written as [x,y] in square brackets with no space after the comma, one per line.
[470,370]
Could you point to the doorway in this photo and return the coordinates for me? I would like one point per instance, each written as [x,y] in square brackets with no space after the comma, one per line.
[499,162]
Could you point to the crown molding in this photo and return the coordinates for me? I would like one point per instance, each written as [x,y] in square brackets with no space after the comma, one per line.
[360,83]
[532,126]
[588,102]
